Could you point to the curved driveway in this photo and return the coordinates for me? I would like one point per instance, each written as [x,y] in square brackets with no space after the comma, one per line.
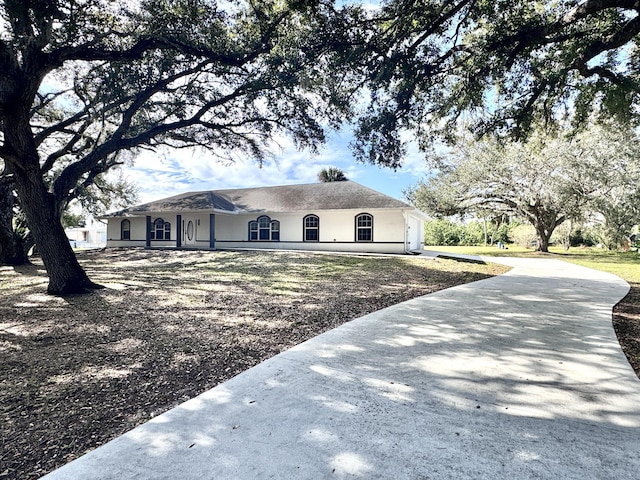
[517,376]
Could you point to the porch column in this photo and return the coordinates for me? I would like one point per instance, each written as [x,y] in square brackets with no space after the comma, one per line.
[178,231]
[148,235]
[212,231]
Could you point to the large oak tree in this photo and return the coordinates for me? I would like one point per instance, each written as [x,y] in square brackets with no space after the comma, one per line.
[81,81]
[499,66]
[544,181]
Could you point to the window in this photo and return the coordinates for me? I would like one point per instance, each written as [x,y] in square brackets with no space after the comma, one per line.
[264,225]
[311,225]
[264,229]
[125,230]
[275,231]
[253,231]
[364,228]
[160,230]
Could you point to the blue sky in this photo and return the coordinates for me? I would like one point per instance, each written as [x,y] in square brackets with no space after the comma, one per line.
[162,174]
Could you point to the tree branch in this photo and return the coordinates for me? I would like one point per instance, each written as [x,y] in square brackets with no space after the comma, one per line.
[620,38]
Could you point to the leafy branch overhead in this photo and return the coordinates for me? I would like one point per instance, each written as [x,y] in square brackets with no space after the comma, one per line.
[498,66]
[216,81]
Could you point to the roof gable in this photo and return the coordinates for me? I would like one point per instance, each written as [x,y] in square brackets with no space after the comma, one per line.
[287,198]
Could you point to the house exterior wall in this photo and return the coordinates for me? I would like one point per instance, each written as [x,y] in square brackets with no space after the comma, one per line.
[337,231]
[138,232]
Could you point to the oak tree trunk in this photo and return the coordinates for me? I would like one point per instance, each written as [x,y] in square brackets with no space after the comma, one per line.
[22,161]
[544,221]
[12,250]
[543,234]
[543,242]
[66,276]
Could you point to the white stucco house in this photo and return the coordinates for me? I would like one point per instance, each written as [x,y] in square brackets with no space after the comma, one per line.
[334,216]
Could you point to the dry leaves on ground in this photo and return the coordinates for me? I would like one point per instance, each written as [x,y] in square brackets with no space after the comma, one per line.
[626,322]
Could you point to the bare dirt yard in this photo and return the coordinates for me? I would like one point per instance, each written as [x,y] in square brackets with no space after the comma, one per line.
[76,372]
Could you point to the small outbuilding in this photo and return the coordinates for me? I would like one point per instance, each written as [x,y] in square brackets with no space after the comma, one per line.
[332,216]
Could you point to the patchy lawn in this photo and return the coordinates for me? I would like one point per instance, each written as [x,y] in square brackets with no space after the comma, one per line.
[76,372]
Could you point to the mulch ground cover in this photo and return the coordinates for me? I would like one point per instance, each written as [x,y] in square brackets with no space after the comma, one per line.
[626,322]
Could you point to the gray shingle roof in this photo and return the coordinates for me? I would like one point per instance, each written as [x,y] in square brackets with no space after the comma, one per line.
[286,198]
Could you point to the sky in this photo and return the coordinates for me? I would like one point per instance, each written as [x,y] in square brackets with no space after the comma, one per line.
[162,174]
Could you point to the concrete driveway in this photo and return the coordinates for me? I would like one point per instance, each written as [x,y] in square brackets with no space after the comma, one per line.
[518,376]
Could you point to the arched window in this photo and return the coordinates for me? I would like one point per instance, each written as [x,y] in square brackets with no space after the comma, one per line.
[125,230]
[311,226]
[275,230]
[253,231]
[264,226]
[160,230]
[264,229]
[364,228]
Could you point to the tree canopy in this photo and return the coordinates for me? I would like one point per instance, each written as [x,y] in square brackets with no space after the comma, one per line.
[81,82]
[499,66]
[545,181]
[332,174]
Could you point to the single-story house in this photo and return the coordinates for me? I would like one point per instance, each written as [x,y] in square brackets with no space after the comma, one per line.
[333,216]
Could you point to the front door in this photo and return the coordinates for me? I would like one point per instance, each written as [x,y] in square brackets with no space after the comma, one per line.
[190,227]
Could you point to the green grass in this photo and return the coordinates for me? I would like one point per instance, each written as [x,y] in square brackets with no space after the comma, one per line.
[626,265]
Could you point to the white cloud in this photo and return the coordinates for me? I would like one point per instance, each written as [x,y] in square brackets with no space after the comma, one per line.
[168,173]
[172,172]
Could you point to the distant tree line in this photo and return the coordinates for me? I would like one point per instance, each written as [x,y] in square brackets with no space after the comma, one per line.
[447,232]
[332,174]
[590,178]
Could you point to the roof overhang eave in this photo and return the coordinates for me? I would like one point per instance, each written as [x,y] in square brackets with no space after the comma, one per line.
[169,212]
[417,213]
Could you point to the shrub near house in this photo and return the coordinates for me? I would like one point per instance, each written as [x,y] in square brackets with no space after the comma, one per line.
[446,232]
